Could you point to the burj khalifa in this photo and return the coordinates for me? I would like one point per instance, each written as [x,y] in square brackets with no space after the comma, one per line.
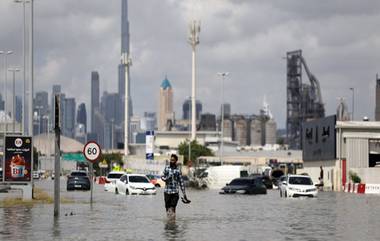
[124,79]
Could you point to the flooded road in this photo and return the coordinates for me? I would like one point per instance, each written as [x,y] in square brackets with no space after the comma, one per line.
[210,216]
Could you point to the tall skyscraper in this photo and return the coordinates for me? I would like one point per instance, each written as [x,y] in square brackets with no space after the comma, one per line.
[1,102]
[69,117]
[377,110]
[41,103]
[186,108]
[124,49]
[166,105]
[94,97]
[56,89]
[110,107]
[82,116]
[18,109]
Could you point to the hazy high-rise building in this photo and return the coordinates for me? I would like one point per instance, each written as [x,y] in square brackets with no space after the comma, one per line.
[207,122]
[18,109]
[82,116]
[165,105]
[1,102]
[377,110]
[227,110]
[95,93]
[69,117]
[56,90]
[149,121]
[124,50]
[110,107]
[99,127]
[41,103]
[186,108]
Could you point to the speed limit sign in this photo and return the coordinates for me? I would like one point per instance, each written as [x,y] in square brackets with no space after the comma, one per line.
[92,151]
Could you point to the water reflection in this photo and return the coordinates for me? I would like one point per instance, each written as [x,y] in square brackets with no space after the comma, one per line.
[16,222]
[175,230]
[56,228]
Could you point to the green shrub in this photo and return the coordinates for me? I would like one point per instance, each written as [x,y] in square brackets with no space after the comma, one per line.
[354,177]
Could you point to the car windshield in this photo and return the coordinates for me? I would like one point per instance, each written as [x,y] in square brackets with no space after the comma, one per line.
[140,179]
[300,181]
[239,182]
[78,174]
[115,175]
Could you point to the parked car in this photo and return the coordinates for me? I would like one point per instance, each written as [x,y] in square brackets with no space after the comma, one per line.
[156,180]
[78,180]
[265,179]
[134,184]
[111,179]
[246,185]
[36,175]
[298,186]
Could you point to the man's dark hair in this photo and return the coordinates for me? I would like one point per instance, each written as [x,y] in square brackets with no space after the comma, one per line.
[174,156]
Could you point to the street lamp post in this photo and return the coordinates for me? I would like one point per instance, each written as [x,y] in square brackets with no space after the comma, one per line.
[189,113]
[6,53]
[193,40]
[28,95]
[353,103]
[14,70]
[223,75]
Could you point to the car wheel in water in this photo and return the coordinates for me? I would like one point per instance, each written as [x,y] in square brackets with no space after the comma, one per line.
[116,191]
[157,185]
[280,193]
[286,194]
[126,191]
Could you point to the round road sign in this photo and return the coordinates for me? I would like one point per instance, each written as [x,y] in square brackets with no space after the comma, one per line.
[92,151]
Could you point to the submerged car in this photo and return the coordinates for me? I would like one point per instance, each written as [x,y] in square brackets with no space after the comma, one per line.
[78,180]
[298,186]
[134,184]
[111,179]
[245,185]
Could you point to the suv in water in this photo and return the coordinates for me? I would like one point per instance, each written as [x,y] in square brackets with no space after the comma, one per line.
[78,180]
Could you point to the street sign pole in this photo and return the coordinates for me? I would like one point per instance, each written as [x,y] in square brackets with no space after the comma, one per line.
[91,152]
[92,181]
[57,164]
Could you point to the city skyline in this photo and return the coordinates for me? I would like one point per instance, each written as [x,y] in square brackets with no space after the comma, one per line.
[338,40]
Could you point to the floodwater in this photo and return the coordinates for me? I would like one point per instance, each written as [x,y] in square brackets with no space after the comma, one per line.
[210,216]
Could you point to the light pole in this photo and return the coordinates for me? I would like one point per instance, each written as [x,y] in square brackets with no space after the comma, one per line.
[223,75]
[28,95]
[193,40]
[14,70]
[189,113]
[6,53]
[353,103]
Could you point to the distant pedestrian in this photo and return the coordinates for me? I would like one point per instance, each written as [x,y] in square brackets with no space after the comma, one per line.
[321,177]
[174,181]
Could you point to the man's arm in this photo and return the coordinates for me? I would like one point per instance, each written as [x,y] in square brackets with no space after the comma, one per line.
[165,174]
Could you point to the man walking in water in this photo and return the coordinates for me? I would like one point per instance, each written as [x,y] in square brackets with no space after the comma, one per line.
[174,181]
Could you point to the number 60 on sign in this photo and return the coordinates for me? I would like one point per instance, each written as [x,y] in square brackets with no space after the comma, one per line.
[92,151]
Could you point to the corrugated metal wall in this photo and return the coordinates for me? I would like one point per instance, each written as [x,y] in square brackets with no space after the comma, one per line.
[357,152]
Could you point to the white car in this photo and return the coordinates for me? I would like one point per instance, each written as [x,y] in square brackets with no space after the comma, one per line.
[111,179]
[134,184]
[298,186]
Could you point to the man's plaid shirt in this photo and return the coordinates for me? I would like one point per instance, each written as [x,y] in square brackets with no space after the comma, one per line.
[174,180]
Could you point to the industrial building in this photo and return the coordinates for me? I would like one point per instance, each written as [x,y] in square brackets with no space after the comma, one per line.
[341,147]
[304,101]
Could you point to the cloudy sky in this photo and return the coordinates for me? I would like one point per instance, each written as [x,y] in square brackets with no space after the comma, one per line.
[340,41]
